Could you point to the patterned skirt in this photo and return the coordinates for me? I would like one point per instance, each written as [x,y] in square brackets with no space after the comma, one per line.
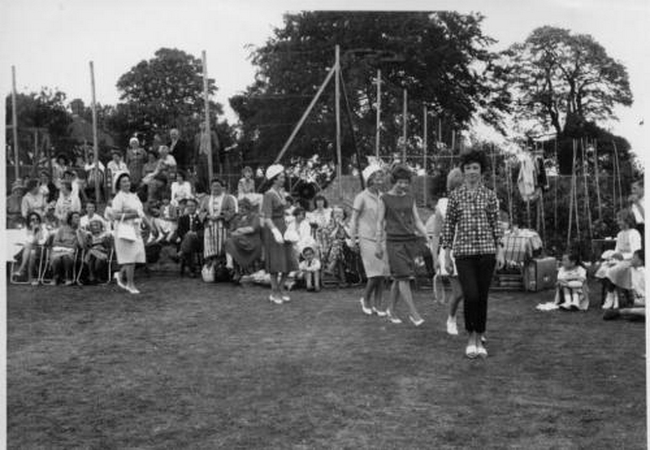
[214,239]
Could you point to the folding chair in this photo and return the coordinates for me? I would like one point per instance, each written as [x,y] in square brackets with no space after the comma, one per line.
[13,279]
[44,279]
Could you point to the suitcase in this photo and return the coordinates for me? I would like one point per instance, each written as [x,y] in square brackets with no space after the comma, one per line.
[540,274]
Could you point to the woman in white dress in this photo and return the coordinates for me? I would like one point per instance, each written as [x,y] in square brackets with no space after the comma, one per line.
[127,211]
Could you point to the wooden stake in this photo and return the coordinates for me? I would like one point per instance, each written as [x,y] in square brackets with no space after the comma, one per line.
[14,119]
[95,143]
[424,153]
[378,125]
[617,177]
[337,85]
[206,103]
[596,178]
[404,125]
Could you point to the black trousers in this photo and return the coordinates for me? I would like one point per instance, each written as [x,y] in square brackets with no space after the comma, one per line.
[475,275]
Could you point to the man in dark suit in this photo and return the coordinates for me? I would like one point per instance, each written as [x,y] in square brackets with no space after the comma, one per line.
[189,237]
[181,152]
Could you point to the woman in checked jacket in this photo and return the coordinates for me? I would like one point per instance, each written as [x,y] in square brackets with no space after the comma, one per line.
[472,217]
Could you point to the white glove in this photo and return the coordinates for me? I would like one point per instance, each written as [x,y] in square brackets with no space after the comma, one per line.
[278,236]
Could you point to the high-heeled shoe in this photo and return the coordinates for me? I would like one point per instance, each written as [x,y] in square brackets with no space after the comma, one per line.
[393,319]
[119,281]
[367,311]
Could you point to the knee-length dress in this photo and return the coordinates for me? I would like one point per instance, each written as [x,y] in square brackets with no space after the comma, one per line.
[216,230]
[401,241]
[128,252]
[366,205]
[278,258]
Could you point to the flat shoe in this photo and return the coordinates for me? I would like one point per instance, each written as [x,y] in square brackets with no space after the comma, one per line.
[482,352]
[393,319]
[277,301]
[471,352]
[417,323]
[379,312]
[367,311]
[117,278]
[286,299]
[132,290]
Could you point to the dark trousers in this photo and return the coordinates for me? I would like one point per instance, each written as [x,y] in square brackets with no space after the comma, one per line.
[475,275]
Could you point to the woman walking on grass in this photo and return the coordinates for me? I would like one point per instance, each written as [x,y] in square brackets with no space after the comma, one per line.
[397,223]
[279,256]
[472,229]
[363,232]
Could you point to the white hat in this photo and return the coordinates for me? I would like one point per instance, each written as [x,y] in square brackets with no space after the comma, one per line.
[134,139]
[371,169]
[274,170]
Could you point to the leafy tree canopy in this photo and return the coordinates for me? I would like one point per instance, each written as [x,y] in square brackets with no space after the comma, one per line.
[562,79]
[163,92]
[441,58]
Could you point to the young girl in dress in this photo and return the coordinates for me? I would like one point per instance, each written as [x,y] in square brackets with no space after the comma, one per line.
[99,244]
[336,235]
[571,278]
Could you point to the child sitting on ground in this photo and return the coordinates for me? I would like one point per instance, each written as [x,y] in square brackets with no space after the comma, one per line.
[310,269]
[571,278]
[638,275]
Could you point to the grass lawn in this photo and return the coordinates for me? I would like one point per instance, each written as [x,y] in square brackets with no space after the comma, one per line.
[188,365]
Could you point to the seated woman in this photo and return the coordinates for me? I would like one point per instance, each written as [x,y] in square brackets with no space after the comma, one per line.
[14,205]
[68,238]
[615,270]
[571,278]
[35,235]
[181,189]
[99,243]
[245,243]
[638,275]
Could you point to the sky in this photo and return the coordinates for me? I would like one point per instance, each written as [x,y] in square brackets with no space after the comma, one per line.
[51,42]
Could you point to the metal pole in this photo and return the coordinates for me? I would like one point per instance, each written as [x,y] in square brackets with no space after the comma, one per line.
[95,143]
[14,119]
[206,101]
[337,84]
[404,125]
[378,132]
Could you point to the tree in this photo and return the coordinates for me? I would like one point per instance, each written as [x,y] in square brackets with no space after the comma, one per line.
[565,83]
[162,93]
[440,58]
[44,109]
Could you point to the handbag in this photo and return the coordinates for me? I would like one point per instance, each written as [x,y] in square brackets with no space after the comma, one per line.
[207,273]
[125,231]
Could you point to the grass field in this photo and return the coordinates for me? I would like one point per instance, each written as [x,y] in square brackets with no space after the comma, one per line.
[187,365]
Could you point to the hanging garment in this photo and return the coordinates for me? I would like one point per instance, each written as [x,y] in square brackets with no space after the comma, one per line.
[526,179]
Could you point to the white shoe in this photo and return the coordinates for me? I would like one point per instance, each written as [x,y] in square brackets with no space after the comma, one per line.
[379,312]
[471,351]
[367,311]
[452,326]
[481,352]
[274,299]
[116,275]
[132,290]
[393,319]
[609,302]
[286,299]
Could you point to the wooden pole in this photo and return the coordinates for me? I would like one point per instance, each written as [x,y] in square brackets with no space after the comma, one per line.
[95,143]
[424,153]
[206,102]
[596,178]
[453,141]
[617,177]
[557,180]
[14,119]
[439,130]
[337,87]
[571,197]
[348,115]
[34,171]
[378,125]
[404,125]
[305,114]
[587,201]
[574,177]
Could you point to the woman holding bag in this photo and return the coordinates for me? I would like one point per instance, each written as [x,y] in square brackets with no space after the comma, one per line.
[128,213]
[279,256]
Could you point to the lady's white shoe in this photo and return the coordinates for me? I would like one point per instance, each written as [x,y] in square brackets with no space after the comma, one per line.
[452,326]
[116,275]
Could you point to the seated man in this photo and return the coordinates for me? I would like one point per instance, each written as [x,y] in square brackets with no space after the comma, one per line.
[637,312]
[189,237]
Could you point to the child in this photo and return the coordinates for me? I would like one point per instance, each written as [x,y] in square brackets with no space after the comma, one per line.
[637,311]
[310,269]
[167,223]
[99,243]
[246,184]
[337,235]
[571,278]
